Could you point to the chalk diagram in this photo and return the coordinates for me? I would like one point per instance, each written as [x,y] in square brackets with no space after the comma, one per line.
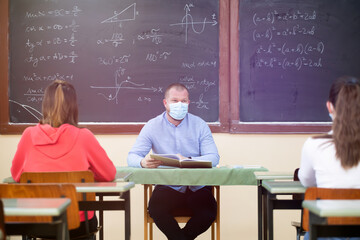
[188,22]
[125,84]
[32,111]
[128,14]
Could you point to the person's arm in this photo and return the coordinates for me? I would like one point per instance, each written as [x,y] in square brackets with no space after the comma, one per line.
[306,171]
[137,155]
[18,161]
[208,149]
[100,164]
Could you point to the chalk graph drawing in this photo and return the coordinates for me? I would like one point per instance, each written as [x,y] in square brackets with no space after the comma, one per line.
[35,113]
[125,84]
[188,22]
[128,14]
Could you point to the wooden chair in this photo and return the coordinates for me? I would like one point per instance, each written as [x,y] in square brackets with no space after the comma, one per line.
[43,191]
[64,177]
[314,193]
[2,224]
[181,217]
[61,177]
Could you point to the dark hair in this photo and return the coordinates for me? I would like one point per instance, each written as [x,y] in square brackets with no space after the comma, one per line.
[177,86]
[59,104]
[337,86]
[346,126]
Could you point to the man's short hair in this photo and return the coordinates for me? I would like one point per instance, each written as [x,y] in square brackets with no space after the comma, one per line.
[177,86]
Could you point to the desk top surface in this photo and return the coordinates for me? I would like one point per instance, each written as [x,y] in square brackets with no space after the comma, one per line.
[193,176]
[35,206]
[103,187]
[284,187]
[333,208]
[273,175]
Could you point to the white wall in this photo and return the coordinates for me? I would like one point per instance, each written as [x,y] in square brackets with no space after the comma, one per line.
[238,203]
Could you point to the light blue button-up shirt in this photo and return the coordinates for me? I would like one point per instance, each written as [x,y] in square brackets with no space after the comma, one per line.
[191,138]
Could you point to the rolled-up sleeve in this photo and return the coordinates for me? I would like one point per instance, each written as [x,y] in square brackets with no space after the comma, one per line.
[140,149]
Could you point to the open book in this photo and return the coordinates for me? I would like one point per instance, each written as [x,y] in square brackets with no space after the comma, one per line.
[174,161]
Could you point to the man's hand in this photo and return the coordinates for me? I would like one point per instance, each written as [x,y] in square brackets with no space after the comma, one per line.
[149,162]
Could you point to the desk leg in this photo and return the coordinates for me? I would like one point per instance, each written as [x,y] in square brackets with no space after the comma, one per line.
[264,211]
[126,197]
[260,211]
[270,218]
[62,232]
[101,219]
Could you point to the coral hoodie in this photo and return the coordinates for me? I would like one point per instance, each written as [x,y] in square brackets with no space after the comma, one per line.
[43,148]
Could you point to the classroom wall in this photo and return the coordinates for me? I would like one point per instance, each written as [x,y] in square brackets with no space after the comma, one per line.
[238,203]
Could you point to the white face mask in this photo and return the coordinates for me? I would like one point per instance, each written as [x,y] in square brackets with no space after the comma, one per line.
[178,110]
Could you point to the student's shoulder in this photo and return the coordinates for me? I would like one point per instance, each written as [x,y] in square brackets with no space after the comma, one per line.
[84,132]
[317,142]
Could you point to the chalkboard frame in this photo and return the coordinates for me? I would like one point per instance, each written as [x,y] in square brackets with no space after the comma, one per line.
[118,128]
[236,125]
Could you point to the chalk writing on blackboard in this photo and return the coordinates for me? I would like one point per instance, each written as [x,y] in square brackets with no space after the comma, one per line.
[128,14]
[153,35]
[117,55]
[188,20]
[282,38]
[290,52]
[35,113]
[273,16]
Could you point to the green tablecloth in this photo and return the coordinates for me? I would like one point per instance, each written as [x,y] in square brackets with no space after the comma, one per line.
[192,176]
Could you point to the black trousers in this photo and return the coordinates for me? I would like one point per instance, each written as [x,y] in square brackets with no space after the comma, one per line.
[165,199]
[81,230]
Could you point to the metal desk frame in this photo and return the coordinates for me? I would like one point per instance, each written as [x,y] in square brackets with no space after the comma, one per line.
[38,207]
[273,203]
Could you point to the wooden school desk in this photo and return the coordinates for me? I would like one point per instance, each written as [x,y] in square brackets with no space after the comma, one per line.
[121,189]
[320,210]
[102,189]
[272,190]
[193,176]
[260,177]
[55,207]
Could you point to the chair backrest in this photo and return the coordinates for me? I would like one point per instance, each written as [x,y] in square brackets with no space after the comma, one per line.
[2,224]
[314,193]
[296,178]
[60,177]
[43,191]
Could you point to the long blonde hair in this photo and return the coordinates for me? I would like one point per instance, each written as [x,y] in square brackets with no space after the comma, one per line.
[346,125]
[59,104]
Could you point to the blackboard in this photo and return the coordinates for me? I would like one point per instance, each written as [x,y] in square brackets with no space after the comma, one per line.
[290,51]
[119,55]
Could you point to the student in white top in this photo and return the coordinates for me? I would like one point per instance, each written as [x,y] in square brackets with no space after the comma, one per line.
[332,160]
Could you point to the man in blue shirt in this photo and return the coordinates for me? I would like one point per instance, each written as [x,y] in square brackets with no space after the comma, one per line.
[177,131]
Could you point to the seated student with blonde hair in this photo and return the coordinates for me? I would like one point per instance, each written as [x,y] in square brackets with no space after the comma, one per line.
[57,144]
[332,160]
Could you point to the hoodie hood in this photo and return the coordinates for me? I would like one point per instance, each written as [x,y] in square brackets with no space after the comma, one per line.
[54,142]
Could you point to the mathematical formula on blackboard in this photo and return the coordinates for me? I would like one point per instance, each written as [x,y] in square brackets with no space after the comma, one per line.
[120,56]
[290,53]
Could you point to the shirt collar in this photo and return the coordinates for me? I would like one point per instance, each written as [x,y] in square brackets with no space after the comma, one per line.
[180,124]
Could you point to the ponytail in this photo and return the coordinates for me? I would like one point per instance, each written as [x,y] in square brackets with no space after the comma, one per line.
[346,126]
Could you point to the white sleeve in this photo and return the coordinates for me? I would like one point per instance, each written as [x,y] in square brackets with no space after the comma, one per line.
[307,171]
